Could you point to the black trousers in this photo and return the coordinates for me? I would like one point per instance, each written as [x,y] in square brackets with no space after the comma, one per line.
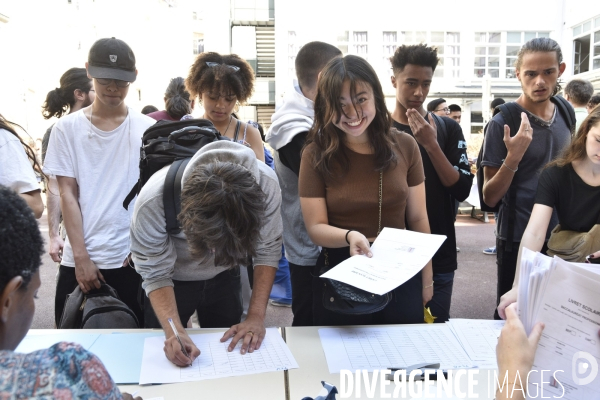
[126,281]
[506,262]
[406,306]
[217,300]
[302,296]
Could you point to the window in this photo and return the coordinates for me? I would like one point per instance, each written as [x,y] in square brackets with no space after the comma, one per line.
[198,43]
[487,54]
[360,46]
[496,52]
[448,47]
[293,49]
[342,42]
[586,46]
[390,44]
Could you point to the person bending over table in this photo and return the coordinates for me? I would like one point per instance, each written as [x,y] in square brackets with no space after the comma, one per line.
[63,371]
[230,209]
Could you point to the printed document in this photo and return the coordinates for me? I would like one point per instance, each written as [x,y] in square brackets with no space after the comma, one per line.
[392,347]
[567,302]
[478,337]
[398,255]
[214,360]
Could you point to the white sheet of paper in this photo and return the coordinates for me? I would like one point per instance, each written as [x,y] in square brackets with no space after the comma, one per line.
[479,338]
[214,360]
[398,255]
[570,309]
[392,347]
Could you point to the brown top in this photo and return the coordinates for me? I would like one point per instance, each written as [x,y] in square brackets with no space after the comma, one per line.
[353,198]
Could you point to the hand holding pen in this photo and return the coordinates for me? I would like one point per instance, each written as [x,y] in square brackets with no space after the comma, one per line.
[179,348]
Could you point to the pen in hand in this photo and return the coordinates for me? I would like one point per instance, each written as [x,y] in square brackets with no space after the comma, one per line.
[179,340]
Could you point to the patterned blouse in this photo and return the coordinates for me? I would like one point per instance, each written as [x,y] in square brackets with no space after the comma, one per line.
[64,371]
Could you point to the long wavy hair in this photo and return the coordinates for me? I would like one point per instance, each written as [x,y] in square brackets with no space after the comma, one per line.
[9,126]
[577,148]
[328,138]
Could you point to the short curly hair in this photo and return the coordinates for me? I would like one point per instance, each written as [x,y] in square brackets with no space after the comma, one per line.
[21,244]
[222,210]
[416,54]
[221,78]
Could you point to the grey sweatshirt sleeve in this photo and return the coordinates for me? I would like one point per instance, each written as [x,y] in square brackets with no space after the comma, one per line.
[152,249]
[270,241]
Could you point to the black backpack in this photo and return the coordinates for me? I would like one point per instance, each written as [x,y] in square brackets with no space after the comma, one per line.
[174,143]
[98,309]
[511,113]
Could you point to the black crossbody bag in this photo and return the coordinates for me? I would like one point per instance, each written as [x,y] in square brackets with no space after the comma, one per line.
[342,298]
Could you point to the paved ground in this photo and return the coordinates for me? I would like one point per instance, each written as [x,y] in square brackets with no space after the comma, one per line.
[474,286]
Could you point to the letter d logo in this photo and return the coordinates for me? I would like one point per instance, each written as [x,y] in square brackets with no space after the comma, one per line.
[584,364]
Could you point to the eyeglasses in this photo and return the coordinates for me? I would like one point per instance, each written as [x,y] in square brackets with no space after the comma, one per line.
[119,83]
[214,64]
[445,109]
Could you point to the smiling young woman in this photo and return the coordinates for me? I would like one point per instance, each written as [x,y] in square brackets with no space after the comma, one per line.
[357,175]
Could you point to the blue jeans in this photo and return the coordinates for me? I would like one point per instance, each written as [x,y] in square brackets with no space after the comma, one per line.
[442,296]
[282,286]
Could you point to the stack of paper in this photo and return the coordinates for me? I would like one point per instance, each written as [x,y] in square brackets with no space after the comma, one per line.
[384,347]
[564,296]
[478,337]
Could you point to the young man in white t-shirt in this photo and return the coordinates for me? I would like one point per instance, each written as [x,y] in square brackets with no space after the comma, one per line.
[94,154]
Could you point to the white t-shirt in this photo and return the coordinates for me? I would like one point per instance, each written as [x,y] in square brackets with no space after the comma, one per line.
[106,166]
[16,171]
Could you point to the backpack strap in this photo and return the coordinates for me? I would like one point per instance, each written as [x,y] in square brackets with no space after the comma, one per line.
[132,193]
[566,110]
[440,124]
[172,195]
[237,130]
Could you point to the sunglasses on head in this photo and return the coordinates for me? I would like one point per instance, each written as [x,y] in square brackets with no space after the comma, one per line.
[214,64]
[105,81]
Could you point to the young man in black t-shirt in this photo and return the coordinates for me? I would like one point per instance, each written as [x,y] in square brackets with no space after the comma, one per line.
[514,160]
[444,153]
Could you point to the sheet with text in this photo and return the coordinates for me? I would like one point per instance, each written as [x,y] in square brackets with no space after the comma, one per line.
[214,360]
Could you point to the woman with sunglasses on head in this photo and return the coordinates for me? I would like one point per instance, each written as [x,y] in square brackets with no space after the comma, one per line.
[358,175]
[222,82]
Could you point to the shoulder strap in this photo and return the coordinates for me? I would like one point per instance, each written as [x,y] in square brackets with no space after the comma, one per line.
[237,130]
[172,195]
[566,110]
[132,193]
[511,113]
[440,123]
[245,130]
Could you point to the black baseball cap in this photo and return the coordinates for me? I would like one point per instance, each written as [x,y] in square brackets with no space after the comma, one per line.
[111,58]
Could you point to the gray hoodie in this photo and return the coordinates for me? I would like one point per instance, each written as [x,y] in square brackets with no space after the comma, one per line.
[159,257]
[293,117]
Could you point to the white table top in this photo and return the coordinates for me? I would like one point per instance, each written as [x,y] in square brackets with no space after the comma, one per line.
[270,385]
[305,344]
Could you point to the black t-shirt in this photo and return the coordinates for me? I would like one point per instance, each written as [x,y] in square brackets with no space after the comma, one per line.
[440,199]
[290,154]
[577,203]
